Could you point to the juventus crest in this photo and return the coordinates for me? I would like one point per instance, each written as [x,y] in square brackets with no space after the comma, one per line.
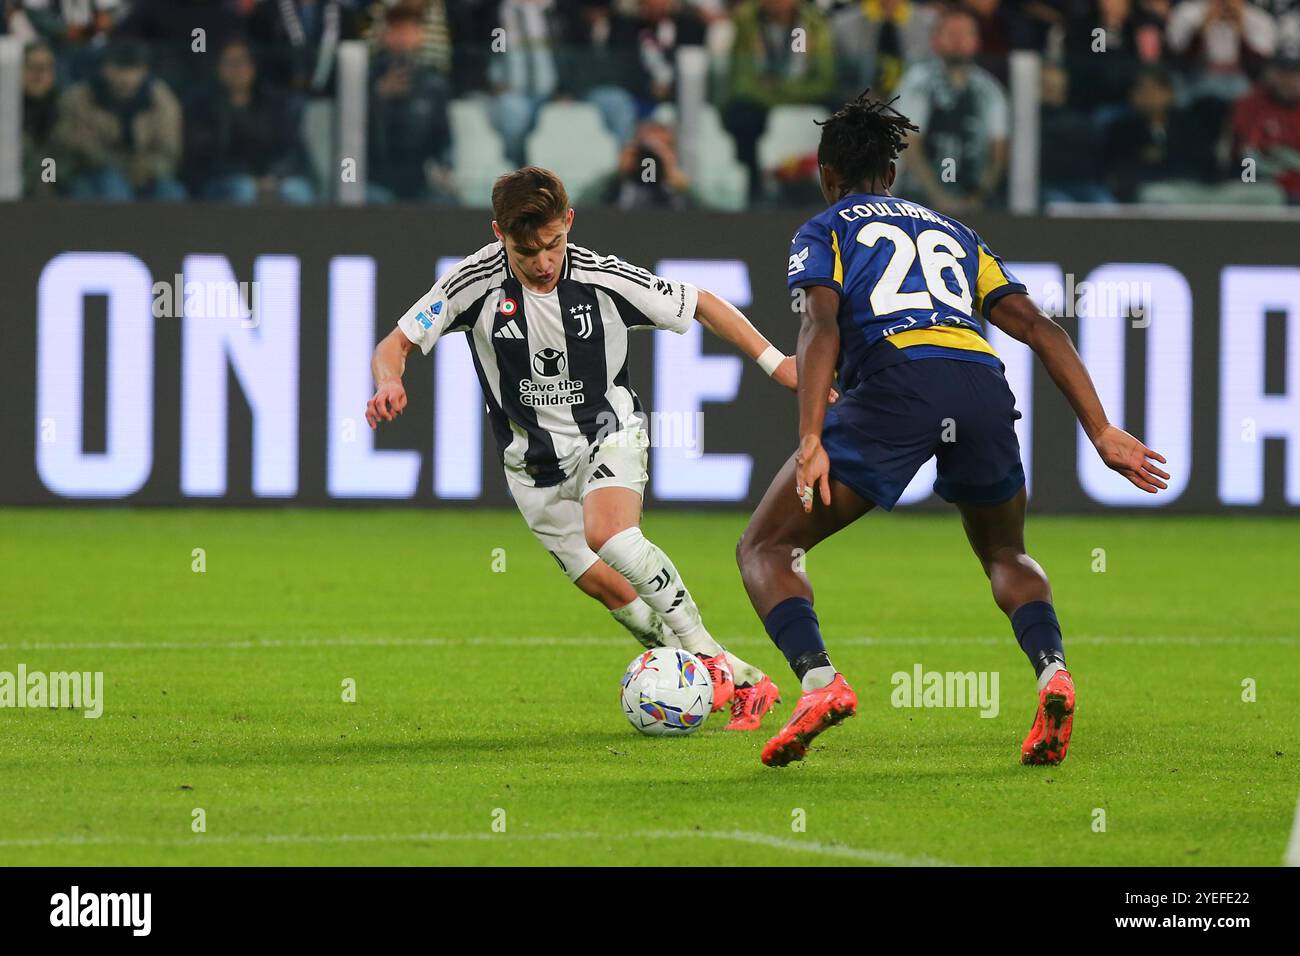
[582,314]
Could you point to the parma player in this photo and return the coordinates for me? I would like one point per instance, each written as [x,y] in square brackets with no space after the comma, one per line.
[891,295]
[549,323]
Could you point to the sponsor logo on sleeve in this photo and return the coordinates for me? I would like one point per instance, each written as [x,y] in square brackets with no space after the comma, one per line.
[429,315]
[797,262]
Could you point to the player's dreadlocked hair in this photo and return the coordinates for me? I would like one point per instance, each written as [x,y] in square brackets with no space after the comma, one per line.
[861,139]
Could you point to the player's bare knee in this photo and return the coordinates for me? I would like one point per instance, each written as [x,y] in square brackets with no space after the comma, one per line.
[756,547]
[742,549]
[1005,557]
[596,537]
[1016,579]
[599,532]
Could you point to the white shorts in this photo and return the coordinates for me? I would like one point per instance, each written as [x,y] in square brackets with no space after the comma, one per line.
[554,514]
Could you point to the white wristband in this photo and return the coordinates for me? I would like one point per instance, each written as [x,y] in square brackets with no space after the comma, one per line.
[770,359]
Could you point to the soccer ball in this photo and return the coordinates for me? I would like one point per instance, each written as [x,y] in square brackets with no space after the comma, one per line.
[666,692]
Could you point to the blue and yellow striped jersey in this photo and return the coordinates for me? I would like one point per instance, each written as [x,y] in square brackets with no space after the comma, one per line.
[912,283]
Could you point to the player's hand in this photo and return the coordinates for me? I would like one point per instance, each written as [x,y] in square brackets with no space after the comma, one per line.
[812,471]
[787,374]
[389,402]
[1132,459]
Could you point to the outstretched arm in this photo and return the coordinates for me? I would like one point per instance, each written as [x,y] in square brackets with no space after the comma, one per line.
[387,365]
[728,323]
[1017,315]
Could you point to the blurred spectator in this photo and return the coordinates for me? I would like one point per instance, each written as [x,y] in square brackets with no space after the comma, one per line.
[74,29]
[409,128]
[524,73]
[875,42]
[296,41]
[436,48]
[662,28]
[242,142]
[1156,141]
[122,131]
[599,62]
[1108,43]
[995,28]
[40,112]
[1042,25]
[600,44]
[471,23]
[958,160]
[1266,125]
[181,34]
[1071,168]
[782,54]
[1220,42]
[649,173]
[70,22]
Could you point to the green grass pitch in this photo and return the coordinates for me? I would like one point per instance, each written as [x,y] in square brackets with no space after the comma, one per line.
[490,697]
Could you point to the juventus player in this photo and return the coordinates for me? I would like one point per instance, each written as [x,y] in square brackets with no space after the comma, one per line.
[548,324]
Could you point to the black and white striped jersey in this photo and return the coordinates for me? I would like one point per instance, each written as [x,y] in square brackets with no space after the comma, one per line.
[553,367]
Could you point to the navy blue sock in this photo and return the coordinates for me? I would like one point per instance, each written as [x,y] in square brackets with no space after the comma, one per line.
[794,629]
[1039,634]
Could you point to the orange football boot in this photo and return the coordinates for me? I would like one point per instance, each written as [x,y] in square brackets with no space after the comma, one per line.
[724,686]
[751,703]
[1049,738]
[817,710]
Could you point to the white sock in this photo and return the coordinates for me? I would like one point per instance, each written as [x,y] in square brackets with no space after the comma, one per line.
[816,677]
[655,578]
[744,674]
[1047,673]
[645,625]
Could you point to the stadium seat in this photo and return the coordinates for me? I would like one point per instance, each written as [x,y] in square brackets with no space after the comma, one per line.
[478,155]
[791,133]
[722,181]
[571,139]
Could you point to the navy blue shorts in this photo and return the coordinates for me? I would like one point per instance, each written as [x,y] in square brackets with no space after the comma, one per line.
[882,431]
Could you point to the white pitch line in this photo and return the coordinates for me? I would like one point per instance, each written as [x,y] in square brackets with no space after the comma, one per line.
[742,641]
[880,857]
[1292,857]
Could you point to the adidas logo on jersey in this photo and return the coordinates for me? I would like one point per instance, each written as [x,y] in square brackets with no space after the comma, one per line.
[508,331]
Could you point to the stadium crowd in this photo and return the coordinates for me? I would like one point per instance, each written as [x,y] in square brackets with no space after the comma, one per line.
[1179,101]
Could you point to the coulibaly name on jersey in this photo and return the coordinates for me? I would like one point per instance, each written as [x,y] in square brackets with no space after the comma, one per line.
[539,394]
